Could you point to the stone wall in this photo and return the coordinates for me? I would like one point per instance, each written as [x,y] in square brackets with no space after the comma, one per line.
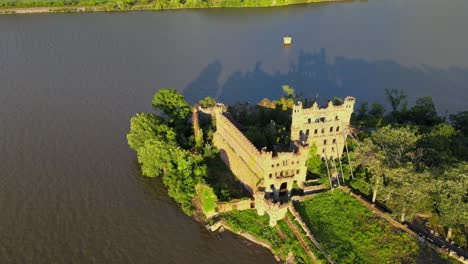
[258,169]
[234,205]
[324,127]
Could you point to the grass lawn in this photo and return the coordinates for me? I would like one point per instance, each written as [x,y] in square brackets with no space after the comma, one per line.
[350,233]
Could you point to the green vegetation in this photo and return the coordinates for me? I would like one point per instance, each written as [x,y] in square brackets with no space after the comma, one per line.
[280,238]
[207,198]
[350,233]
[415,162]
[268,123]
[165,148]
[121,5]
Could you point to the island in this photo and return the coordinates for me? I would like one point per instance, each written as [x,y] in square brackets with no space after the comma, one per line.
[313,183]
[70,6]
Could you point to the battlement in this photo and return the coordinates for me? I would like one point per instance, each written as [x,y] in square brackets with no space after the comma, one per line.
[224,123]
[323,127]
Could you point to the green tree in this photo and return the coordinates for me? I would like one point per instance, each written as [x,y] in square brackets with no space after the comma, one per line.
[148,126]
[424,112]
[314,162]
[408,192]
[397,145]
[337,101]
[452,197]
[372,158]
[156,158]
[173,104]
[460,121]
[207,102]
[440,144]
[395,97]
[288,91]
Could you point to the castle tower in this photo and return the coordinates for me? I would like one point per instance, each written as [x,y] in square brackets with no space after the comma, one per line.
[323,127]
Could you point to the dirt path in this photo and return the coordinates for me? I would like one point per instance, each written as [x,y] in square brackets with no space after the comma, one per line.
[304,245]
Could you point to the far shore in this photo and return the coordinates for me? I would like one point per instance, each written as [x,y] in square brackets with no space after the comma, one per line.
[104,8]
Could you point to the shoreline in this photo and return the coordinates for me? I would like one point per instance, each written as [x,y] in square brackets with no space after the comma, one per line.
[147,7]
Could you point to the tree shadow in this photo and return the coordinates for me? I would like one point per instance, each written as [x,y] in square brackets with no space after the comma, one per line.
[316,75]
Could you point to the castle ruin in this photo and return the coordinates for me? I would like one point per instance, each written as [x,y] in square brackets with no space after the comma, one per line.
[270,176]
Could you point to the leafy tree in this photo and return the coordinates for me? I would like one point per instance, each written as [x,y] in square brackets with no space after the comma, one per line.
[424,112]
[408,192]
[362,111]
[314,162]
[288,91]
[173,105]
[395,97]
[371,157]
[452,198]
[148,126]
[337,101]
[440,145]
[460,121]
[155,158]
[207,102]
[397,145]
[186,174]
[377,111]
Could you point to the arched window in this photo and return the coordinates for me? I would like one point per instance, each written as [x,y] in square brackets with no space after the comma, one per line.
[308,120]
[331,129]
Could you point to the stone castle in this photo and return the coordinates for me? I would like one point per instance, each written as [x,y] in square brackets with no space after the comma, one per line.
[270,176]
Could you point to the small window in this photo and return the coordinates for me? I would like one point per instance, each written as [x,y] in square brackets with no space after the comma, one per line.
[323,150]
[297,172]
[272,165]
[315,131]
[323,130]
[308,120]
[331,157]
[331,129]
[336,118]
[277,164]
[307,132]
[337,128]
[300,133]
[325,142]
[333,149]
[281,174]
[271,175]
[334,141]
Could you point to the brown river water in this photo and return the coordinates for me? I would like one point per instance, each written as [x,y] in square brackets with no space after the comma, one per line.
[70,191]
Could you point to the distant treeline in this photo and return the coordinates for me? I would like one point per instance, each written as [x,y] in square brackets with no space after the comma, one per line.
[120,5]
